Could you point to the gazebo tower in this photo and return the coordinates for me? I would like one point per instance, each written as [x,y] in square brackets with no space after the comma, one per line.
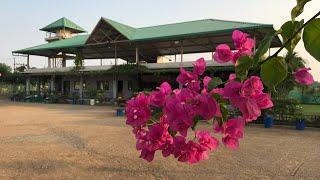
[63,28]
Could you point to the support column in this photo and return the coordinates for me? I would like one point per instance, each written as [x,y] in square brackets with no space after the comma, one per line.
[28,61]
[181,54]
[28,86]
[115,55]
[137,55]
[100,62]
[181,51]
[81,87]
[51,84]
[114,87]
[49,62]
[62,88]
[38,85]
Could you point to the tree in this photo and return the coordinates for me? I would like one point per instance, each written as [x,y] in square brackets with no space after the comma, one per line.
[4,69]
[294,62]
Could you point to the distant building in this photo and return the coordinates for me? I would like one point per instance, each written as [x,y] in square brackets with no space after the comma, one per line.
[145,50]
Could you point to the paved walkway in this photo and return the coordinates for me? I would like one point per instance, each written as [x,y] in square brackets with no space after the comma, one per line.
[39,141]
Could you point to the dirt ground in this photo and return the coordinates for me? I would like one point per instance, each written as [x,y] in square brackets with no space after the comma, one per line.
[39,141]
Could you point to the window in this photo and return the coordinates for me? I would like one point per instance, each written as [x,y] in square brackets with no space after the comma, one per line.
[103,85]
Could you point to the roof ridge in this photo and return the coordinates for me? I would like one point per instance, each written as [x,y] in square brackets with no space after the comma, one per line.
[243,22]
[172,23]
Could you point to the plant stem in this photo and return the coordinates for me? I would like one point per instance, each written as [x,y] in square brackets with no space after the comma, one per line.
[290,39]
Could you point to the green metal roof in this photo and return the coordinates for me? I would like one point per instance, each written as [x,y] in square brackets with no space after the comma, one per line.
[193,28]
[125,30]
[74,42]
[189,28]
[168,31]
[63,23]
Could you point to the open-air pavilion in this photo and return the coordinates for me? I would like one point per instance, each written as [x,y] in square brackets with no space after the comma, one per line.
[136,46]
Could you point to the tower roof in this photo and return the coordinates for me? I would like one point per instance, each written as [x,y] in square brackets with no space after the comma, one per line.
[63,23]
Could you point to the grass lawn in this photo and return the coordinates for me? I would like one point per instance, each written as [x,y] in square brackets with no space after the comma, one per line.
[311,109]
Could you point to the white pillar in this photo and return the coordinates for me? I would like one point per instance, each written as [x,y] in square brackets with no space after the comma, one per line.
[114,88]
[49,62]
[28,86]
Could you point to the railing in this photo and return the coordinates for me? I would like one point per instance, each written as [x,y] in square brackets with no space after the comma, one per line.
[290,120]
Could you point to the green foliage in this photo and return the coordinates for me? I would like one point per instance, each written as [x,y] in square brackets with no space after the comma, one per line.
[215,81]
[286,106]
[287,31]
[298,9]
[263,47]
[78,61]
[311,38]
[128,69]
[273,72]
[242,67]
[4,69]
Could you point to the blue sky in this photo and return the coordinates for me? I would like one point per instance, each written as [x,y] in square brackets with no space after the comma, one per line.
[21,20]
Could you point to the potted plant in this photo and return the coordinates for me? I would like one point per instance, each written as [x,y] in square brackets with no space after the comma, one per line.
[300,120]
[268,118]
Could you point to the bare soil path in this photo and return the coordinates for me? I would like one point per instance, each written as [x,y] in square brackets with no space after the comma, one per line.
[39,141]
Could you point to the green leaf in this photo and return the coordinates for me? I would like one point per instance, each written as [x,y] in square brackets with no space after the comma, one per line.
[263,47]
[273,72]
[311,38]
[288,29]
[242,67]
[215,81]
[298,9]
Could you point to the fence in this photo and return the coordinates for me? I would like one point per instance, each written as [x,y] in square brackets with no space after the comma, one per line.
[290,120]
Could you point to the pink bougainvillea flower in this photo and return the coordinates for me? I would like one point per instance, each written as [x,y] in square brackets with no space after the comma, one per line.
[206,106]
[137,110]
[302,76]
[223,53]
[180,115]
[165,88]
[252,87]
[232,77]
[249,108]
[206,81]
[195,152]
[232,131]
[239,39]
[242,42]
[264,101]
[206,140]
[186,77]
[199,66]
[157,98]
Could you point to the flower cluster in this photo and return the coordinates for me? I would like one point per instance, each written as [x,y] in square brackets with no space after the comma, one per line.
[303,77]
[243,45]
[162,119]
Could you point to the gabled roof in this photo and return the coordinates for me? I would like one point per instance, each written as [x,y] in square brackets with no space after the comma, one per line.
[197,27]
[183,29]
[63,23]
[125,30]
